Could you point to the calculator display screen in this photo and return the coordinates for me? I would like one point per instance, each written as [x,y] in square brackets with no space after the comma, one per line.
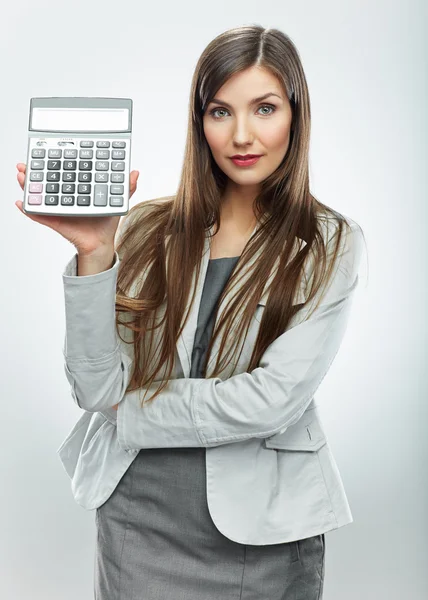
[79,119]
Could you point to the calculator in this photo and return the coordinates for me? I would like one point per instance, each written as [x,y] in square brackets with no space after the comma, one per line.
[78,159]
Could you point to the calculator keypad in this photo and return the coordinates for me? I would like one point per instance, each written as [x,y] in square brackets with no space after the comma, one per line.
[72,176]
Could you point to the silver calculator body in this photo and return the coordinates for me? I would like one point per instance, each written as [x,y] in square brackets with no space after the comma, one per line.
[78,159]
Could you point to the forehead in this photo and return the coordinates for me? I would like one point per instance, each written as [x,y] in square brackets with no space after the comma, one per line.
[252,82]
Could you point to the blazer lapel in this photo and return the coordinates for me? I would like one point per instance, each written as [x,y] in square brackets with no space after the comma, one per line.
[186,338]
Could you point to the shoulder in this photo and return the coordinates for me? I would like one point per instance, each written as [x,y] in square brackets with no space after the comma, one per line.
[343,239]
[351,240]
[330,225]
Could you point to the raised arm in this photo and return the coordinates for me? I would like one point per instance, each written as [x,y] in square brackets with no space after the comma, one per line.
[94,362]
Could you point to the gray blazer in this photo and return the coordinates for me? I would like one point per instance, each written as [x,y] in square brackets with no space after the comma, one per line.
[271,475]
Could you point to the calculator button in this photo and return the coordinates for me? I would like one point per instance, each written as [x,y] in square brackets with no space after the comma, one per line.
[36,188]
[54,165]
[70,176]
[52,176]
[117,166]
[101,177]
[86,144]
[38,164]
[100,195]
[118,154]
[83,200]
[70,153]
[119,144]
[51,200]
[101,166]
[117,178]
[103,144]
[52,188]
[84,188]
[85,176]
[85,165]
[116,200]
[36,153]
[68,188]
[39,176]
[34,199]
[69,200]
[86,154]
[54,153]
[103,153]
[116,189]
[70,165]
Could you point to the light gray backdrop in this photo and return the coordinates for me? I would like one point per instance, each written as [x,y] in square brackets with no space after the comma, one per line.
[366,65]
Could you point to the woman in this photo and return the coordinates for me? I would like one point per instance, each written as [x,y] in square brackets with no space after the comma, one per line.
[231,299]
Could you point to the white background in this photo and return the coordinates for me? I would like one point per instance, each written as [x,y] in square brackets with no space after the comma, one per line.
[366,66]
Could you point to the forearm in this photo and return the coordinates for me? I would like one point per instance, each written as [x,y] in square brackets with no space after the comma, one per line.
[210,412]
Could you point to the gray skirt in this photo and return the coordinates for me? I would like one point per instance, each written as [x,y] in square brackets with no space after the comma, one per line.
[156,541]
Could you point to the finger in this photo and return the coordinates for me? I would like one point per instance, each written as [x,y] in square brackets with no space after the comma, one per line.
[21,167]
[21,179]
[19,204]
[133,180]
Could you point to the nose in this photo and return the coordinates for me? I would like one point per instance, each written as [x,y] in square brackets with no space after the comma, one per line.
[242,133]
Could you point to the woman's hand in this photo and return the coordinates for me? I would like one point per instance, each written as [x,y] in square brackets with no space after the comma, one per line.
[87,234]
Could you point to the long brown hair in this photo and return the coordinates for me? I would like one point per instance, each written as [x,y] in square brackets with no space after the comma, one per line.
[160,275]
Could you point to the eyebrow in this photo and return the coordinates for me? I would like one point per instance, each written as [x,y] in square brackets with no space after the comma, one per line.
[254,101]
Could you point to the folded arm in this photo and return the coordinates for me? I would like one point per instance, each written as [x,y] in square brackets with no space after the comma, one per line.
[208,412]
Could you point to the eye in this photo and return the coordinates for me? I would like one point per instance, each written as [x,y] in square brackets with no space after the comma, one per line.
[271,106]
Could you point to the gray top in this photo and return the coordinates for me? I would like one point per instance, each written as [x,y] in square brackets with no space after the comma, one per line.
[218,272]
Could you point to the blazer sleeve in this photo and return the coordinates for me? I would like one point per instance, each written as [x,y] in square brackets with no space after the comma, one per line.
[94,365]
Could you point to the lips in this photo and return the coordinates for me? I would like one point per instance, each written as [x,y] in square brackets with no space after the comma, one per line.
[245,156]
[246,162]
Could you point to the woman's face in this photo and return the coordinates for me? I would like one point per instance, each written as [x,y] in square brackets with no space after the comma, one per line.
[234,124]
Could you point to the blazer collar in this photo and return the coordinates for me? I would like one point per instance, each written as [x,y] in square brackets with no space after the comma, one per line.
[186,339]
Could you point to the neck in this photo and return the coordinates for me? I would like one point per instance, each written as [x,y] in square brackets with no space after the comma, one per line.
[237,209]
